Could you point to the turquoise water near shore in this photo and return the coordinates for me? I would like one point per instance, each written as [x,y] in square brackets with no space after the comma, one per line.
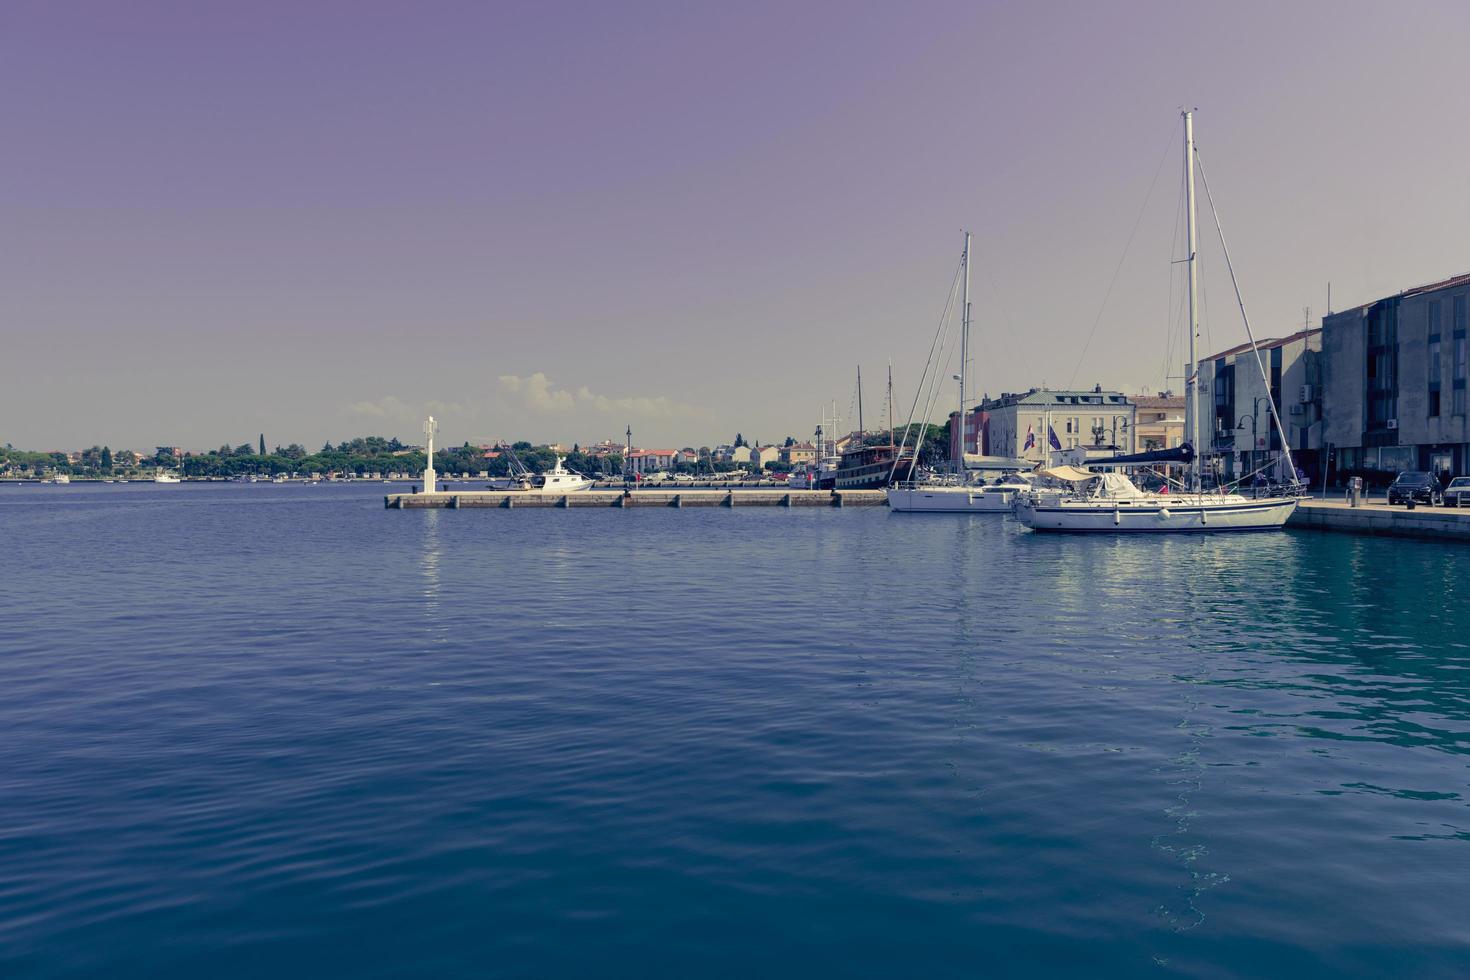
[255,730]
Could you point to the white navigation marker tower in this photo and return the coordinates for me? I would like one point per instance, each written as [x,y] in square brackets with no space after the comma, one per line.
[430,427]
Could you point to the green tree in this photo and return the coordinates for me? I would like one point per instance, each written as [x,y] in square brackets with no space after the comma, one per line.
[106,460]
[262,444]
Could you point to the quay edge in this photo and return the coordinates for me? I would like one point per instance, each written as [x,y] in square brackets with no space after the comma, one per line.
[1435,523]
[458,500]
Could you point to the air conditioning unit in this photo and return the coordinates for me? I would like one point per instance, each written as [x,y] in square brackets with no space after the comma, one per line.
[1392,423]
[1295,410]
[1306,394]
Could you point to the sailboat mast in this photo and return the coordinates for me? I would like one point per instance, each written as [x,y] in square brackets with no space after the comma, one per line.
[890,404]
[860,404]
[959,460]
[1191,372]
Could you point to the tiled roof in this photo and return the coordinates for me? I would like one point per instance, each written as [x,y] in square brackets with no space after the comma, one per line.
[1158,401]
[1461,280]
[1264,344]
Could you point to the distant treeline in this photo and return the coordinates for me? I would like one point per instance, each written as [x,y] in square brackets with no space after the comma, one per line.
[367,454]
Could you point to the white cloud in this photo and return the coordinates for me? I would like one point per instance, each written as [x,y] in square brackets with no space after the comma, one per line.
[387,407]
[393,407]
[537,393]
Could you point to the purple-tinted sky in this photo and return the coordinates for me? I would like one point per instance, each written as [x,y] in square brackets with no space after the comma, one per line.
[550,220]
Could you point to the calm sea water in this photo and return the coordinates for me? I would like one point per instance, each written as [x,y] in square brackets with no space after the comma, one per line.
[279,731]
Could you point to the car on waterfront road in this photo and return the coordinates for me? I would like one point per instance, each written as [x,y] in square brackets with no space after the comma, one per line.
[1457,494]
[1415,485]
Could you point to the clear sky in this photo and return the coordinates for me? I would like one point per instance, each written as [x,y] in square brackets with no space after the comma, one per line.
[550,220]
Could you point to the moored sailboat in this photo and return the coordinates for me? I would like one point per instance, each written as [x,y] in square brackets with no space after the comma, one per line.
[1110,502]
[961,491]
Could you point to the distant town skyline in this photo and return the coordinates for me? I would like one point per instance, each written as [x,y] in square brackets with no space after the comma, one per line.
[551,221]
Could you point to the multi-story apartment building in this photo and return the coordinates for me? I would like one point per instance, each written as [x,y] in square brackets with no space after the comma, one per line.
[1236,428]
[1394,376]
[975,432]
[1100,422]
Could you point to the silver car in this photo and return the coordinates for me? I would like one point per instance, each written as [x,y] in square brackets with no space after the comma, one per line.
[1457,494]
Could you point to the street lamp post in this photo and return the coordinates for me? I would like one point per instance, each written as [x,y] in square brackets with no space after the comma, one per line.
[1124,419]
[1254,416]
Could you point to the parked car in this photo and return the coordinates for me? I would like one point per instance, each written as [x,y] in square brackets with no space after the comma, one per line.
[1457,494]
[1415,485]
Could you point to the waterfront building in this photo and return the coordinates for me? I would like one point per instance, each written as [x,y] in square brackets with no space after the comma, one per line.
[761,455]
[1236,429]
[798,453]
[651,460]
[1101,422]
[1393,376]
[1159,421]
[976,436]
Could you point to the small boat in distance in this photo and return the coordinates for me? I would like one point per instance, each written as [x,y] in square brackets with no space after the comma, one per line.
[164,476]
[57,478]
[520,478]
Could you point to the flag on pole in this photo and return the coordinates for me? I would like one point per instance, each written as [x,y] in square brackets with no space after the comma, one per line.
[1052,436]
[1030,439]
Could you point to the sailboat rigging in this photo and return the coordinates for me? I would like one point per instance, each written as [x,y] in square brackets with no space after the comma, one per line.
[1109,502]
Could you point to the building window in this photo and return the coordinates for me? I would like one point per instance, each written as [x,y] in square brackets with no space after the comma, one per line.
[1434,374]
[1460,313]
[1459,358]
[1459,401]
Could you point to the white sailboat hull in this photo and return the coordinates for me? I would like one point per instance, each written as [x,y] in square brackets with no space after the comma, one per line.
[1155,514]
[950,500]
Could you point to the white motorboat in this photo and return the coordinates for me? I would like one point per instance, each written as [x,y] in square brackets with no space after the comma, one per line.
[560,480]
[163,476]
[57,478]
[1110,502]
[958,498]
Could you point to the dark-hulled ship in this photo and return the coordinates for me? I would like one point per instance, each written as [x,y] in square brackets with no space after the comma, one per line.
[871,468]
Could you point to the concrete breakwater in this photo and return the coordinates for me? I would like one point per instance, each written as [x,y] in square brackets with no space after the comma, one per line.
[638,498]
